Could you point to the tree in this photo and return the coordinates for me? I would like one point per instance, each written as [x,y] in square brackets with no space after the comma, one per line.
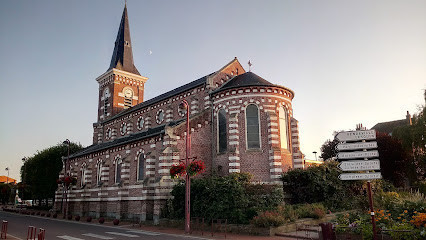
[40,172]
[413,138]
[328,149]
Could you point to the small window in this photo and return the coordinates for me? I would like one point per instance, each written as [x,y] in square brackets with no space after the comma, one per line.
[222,135]
[141,122]
[141,167]
[252,126]
[83,176]
[118,171]
[109,133]
[160,116]
[123,128]
[99,172]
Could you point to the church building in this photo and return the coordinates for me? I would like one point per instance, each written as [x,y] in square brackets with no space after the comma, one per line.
[239,123]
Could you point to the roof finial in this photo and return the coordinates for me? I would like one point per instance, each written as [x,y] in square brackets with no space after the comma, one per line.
[125,3]
[249,63]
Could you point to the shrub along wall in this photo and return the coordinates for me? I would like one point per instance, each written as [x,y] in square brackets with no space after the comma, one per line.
[231,197]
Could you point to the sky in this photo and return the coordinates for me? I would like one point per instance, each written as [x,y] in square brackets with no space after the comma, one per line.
[348,62]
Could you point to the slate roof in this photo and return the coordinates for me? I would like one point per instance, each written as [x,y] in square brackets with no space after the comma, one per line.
[162,97]
[388,127]
[122,56]
[247,79]
[124,140]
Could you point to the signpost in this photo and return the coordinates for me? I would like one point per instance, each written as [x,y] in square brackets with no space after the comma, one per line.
[356,135]
[358,142]
[359,176]
[355,146]
[360,154]
[360,165]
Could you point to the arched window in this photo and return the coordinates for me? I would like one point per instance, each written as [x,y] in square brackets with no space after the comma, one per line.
[283,115]
[99,172]
[106,99]
[141,167]
[83,175]
[222,136]
[252,126]
[118,171]
[128,96]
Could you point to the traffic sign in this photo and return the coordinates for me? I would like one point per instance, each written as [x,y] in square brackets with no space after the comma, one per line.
[359,154]
[360,165]
[360,176]
[358,145]
[356,135]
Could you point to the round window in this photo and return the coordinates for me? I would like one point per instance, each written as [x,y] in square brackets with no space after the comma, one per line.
[141,121]
[123,128]
[160,116]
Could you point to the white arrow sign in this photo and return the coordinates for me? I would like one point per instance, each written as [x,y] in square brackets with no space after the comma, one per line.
[358,145]
[360,154]
[360,176]
[360,165]
[356,135]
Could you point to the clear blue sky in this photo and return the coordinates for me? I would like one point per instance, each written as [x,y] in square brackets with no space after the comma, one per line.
[348,62]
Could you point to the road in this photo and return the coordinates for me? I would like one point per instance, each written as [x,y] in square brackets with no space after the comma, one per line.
[72,230]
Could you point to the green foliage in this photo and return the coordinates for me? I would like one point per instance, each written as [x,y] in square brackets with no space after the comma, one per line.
[315,210]
[400,234]
[413,140]
[231,197]
[288,212]
[395,161]
[268,219]
[40,172]
[328,149]
[321,184]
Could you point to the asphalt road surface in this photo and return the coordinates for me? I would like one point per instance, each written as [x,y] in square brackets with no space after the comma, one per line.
[71,230]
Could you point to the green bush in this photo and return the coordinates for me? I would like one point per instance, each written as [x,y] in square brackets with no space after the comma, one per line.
[322,184]
[268,219]
[403,235]
[315,210]
[231,197]
[288,212]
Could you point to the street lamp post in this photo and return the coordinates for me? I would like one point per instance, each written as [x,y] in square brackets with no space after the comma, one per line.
[24,159]
[67,142]
[7,179]
[187,177]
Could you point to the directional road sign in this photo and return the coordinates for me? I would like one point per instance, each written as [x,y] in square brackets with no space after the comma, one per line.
[360,176]
[359,154]
[358,145]
[356,135]
[360,165]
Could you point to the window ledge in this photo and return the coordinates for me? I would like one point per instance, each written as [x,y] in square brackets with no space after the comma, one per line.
[254,150]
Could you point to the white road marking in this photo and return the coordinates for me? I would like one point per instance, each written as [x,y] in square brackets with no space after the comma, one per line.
[69,237]
[122,234]
[146,233]
[97,236]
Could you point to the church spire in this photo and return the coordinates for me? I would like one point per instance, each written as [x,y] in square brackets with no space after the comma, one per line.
[122,57]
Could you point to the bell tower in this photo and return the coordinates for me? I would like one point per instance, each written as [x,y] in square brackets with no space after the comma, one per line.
[121,86]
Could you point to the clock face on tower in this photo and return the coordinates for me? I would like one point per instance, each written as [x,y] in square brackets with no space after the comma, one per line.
[128,93]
